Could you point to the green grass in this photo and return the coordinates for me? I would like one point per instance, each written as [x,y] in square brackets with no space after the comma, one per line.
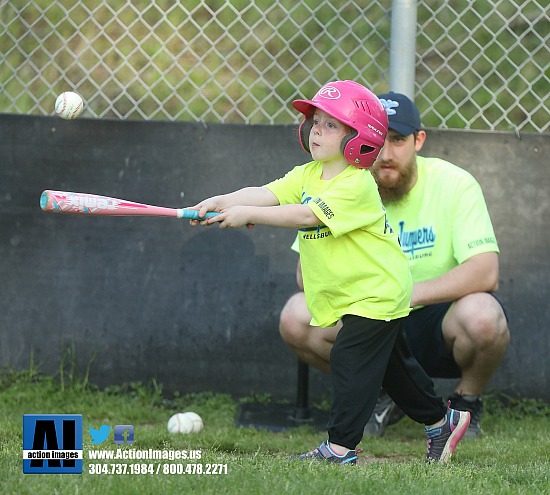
[512,458]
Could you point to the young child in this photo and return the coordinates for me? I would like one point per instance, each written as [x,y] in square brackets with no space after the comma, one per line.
[353,268]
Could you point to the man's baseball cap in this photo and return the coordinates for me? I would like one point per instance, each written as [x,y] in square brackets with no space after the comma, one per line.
[403,114]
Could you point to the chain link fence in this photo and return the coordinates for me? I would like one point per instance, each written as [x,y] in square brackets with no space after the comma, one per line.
[480,64]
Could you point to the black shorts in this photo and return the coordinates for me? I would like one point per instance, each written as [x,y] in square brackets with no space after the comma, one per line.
[424,331]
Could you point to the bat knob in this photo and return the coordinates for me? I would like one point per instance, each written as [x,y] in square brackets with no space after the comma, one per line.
[44,200]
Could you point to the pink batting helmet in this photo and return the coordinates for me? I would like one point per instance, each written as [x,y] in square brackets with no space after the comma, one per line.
[357,107]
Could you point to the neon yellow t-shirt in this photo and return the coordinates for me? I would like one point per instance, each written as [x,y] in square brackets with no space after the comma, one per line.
[352,264]
[442,221]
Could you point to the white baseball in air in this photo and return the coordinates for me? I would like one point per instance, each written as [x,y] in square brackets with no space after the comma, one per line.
[188,422]
[69,105]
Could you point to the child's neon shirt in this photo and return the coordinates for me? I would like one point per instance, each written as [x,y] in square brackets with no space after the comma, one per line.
[352,264]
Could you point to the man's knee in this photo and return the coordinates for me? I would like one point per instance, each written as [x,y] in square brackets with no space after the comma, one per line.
[481,318]
[489,329]
[294,320]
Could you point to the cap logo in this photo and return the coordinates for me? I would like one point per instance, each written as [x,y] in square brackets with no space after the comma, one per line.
[390,106]
[329,92]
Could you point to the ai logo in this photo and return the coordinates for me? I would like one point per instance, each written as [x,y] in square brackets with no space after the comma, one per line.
[52,443]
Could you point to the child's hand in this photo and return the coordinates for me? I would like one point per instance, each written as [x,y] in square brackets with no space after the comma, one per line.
[232,218]
[204,207]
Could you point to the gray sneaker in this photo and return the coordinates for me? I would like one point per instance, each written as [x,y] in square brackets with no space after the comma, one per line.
[384,409]
[325,453]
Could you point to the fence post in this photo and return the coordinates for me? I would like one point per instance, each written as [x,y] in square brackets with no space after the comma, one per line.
[403,47]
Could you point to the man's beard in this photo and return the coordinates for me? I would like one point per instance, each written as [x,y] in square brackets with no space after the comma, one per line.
[399,190]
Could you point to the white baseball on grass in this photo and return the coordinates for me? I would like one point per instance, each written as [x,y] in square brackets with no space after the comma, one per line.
[197,421]
[188,422]
[69,105]
[180,423]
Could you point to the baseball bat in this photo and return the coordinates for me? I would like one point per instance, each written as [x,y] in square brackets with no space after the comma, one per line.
[76,203]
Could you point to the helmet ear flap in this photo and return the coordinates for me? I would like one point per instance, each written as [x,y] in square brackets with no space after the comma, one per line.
[303,133]
[347,138]
[358,153]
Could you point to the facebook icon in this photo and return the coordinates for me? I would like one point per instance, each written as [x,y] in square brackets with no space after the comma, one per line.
[124,434]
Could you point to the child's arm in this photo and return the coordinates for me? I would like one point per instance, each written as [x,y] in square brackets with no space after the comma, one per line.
[254,205]
[251,196]
[293,216]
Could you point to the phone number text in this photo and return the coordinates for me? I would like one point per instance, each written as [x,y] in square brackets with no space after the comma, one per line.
[163,468]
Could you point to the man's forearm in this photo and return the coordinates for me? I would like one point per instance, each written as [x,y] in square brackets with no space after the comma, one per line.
[477,274]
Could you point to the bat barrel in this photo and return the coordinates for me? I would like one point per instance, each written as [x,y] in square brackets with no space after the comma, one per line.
[92,204]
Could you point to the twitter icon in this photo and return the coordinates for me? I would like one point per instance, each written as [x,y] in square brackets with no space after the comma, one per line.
[99,436]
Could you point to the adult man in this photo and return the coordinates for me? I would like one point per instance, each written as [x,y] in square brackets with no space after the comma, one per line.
[458,329]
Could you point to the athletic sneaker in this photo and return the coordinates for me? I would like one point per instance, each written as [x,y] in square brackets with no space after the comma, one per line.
[474,405]
[325,453]
[442,440]
[385,413]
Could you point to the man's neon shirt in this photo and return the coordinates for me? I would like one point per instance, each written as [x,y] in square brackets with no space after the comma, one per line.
[442,221]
